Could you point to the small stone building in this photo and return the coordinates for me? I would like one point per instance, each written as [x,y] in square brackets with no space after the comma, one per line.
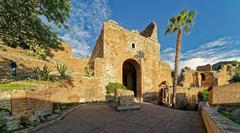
[131,58]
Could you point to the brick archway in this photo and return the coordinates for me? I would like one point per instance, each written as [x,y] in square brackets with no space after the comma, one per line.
[131,76]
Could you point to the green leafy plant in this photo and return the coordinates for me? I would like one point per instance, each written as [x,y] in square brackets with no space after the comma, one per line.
[44,73]
[236,77]
[112,87]
[62,68]
[203,96]
[89,71]
[37,52]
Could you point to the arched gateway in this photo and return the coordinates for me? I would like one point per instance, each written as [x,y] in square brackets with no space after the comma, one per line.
[131,76]
[118,57]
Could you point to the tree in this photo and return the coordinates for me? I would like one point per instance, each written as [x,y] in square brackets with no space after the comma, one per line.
[21,24]
[180,23]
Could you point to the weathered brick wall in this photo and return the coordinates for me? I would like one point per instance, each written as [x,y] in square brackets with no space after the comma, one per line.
[82,89]
[24,103]
[209,79]
[5,100]
[225,95]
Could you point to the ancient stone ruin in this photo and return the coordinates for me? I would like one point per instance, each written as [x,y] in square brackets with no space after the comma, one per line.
[130,58]
[203,76]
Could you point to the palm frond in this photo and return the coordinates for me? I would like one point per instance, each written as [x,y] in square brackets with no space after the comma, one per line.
[186,28]
[191,16]
[184,21]
[170,28]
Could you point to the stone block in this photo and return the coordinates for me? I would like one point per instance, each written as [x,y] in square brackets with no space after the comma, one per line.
[133,107]
[11,123]
[43,112]
[125,100]
[33,120]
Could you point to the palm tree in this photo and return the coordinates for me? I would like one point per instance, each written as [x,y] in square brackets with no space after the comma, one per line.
[180,23]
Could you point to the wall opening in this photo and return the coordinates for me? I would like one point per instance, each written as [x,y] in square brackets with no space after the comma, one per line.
[131,76]
[133,45]
[203,77]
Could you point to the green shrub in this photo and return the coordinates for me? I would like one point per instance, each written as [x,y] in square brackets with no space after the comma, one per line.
[37,52]
[2,48]
[112,87]
[236,77]
[44,74]
[203,96]
[62,68]
[230,116]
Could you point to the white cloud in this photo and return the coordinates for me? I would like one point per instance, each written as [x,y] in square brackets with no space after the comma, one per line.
[222,49]
[85,24]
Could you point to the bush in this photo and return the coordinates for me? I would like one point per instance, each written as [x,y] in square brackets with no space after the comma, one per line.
[37,52]
[62,68]
[236,77]
[203,96]
[229,115]
[43,74]
[112,87]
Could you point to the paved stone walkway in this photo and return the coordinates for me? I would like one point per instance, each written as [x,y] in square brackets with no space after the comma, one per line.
[101,118]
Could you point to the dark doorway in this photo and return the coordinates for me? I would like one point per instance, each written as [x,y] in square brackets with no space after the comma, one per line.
[129,77]
[203,77]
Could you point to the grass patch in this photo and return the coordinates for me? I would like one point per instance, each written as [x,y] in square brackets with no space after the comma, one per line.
[230,116]
[23,85]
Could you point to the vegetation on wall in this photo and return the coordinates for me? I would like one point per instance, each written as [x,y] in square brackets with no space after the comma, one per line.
[112,87]
[229,114]
[236,77]
[89,71]
[21,23]
[62,68]
[44,73]
[203,96]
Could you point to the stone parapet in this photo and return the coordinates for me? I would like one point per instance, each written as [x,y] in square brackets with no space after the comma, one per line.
[216,123]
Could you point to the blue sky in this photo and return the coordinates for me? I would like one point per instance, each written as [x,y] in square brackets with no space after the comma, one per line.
[214,37]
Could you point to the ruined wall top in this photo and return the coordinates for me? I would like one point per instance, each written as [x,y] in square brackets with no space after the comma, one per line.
[150,31]
[207,67]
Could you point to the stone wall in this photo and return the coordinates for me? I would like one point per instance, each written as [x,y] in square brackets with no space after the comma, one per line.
[188,97]
[24,103]
[203,77]
[5,100]
[225,95]
[188,78]
[78,89]
[222,76]
[209,79]
[207,67]
[216,123]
